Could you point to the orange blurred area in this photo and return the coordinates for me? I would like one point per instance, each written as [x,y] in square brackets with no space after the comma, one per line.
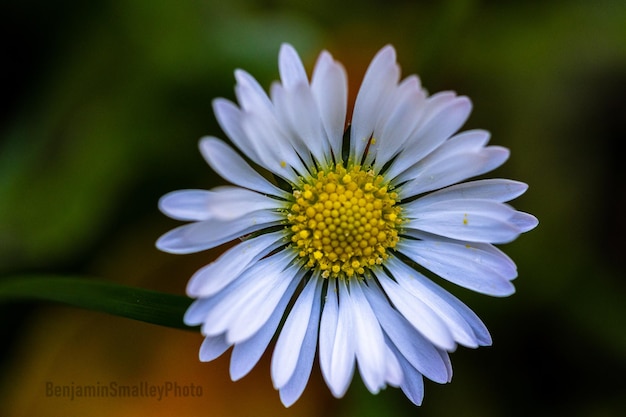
[64,347]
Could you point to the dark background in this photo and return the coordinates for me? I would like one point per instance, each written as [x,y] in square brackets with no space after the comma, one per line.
[103,103]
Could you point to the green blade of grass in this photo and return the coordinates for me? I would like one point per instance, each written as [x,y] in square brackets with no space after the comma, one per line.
[135,303]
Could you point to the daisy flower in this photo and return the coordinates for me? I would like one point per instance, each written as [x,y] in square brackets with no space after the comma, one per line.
[340,228]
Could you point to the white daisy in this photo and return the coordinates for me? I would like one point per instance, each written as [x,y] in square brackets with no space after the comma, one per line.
[338,242]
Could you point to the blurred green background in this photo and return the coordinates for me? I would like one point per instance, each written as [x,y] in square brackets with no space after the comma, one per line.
[102,109]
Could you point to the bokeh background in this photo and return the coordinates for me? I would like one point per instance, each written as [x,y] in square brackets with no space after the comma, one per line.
[103,103]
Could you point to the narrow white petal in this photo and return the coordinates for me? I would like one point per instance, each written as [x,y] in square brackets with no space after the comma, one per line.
[393,374]
[260,276]
[290,66]
[396,128]
[250,94]
[524,221]
[370,343]
[213,347]
[463,266]
[465,326]
[413,383]
[272,145]
[328,328]
[246,354]
[470,220]
[499,190]
[379,81]
[196,237]
[422,317]
[229,117]
[304,121]
[230,166]
[217,275]
[282,100]
[432,130]
[339,369]
[260,302]
[434,174]
[329,85]
[289,343]
[292,390]
[418,350]
[197,311]
[228,203]
[186,205]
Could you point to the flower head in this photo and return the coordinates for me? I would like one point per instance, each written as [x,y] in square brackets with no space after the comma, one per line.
[338,244]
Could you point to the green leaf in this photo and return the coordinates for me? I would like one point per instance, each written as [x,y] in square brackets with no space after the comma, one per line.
[120,300]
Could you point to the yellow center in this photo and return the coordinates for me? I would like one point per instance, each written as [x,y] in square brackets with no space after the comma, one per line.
[344,221]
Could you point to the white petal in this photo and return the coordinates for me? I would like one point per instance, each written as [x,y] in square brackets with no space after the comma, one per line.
[434,174]
[419,351]
[328,327]
[422,317]
[229,117]
[290,67]
[524,221]
[396,127]
[213,347]
[196,237]
[217,275]
[474,269]
[470,220]
[186,205]
[230,166]
[499,190]
[283,103]
[259,277]
[329,85]
[247,354]
[370,343]
[304,121]
[272,144]
[338,368]
[380,80]
[292,390]
[465,326]
[289,343]
[228,203]
[249,92]
[197,311]
[439,110]
[260,303]
[393,374]
[413,383]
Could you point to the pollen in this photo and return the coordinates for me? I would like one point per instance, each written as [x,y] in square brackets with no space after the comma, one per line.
[344,221]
